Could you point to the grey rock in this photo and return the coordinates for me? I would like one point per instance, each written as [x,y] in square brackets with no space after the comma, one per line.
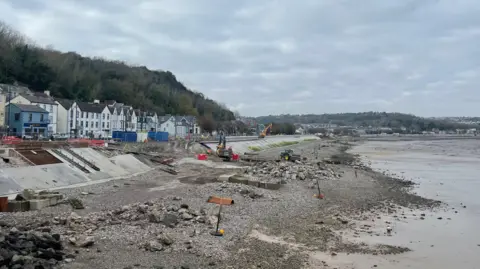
[155,216]
[153,246]
[187,216]
[170,220]
[165,239]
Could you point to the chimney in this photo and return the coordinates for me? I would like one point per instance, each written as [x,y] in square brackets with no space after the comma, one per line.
[47,92]
[96,101]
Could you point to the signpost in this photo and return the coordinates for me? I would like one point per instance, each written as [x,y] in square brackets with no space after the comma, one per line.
[220,201]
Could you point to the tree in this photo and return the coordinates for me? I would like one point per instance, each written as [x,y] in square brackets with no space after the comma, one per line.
[207,124]
[70,75]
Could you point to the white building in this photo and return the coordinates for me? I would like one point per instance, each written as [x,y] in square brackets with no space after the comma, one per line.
[105,121]
[64,106]
[43,100]
[152,121]
[167,124]
[85,119]
[117,121]
[178,126]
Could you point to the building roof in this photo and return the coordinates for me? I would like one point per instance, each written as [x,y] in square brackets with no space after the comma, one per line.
[66,103]
[39,99]
[30,108]
[91,107]
[110,102]
[111,109]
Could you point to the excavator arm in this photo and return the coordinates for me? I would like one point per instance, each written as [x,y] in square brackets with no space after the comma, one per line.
[266,131]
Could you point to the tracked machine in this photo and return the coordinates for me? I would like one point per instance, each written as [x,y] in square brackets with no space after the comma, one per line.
[222,151]
[289,155]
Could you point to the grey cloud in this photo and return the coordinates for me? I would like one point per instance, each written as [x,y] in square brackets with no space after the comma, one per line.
[282,56]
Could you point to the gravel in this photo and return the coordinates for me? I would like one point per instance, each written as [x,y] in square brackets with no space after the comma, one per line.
[157,220]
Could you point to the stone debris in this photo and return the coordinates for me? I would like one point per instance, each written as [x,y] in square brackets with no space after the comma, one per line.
[31,250]
[283,172]
[76,203]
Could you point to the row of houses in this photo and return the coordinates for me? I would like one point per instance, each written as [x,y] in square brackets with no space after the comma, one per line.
[35,113]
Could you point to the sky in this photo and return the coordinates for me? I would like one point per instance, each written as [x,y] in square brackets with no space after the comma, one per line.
[282,56]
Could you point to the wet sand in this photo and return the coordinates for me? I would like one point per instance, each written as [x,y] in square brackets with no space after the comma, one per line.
[446,171]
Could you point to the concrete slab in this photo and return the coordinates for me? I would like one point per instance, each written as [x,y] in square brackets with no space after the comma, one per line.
[43,176]
[107,168]
[129,163]
[8,185]
[68,155]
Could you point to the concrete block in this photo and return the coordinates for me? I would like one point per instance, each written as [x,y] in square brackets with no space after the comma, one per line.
[53,199]
[18,206]
[238,179]
[224,178]
[270,186]
[38,204]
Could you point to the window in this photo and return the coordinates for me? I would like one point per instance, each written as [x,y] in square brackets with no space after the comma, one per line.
[71,124]
[96,115]
[71,113]
[83,115]
[103,115]
[17,116]
[78,113]
[96,124]
[30,116]
[41,117]
[51,108]
[108,125]
[81,123]
[91,124]
[108,116]
[103,124]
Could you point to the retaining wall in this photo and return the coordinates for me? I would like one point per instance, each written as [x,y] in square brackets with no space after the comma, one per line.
[245,146]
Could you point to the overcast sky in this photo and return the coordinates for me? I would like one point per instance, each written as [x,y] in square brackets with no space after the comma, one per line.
[282,56]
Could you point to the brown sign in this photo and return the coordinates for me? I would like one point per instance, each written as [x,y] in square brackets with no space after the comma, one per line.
[220,200]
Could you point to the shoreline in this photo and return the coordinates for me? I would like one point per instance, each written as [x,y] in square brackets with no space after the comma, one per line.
[286,228]
[441,170]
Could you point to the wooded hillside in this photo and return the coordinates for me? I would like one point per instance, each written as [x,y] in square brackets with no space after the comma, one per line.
[69,75]
[367,119]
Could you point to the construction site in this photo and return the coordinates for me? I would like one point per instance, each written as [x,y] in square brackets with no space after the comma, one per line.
[272,202]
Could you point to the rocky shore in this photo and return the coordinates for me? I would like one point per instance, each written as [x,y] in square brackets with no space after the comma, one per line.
[158,220]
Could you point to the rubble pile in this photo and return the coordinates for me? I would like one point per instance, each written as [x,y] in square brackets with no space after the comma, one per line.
[169,216]
[31,250]
[81,231]
[283,172]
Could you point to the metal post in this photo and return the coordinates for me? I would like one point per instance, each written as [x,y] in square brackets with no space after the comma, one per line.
[218,221]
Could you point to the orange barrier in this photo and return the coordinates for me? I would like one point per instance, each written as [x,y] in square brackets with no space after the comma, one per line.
[9,140]
[96,143]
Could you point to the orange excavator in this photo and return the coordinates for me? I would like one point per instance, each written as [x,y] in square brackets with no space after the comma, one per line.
[265,131]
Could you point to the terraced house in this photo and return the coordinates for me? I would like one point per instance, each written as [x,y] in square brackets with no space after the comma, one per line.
[89,119]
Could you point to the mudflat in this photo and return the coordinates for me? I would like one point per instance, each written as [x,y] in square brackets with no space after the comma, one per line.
[158,220]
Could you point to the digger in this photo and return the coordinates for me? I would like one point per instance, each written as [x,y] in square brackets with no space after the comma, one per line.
[289,155]
[222,151]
